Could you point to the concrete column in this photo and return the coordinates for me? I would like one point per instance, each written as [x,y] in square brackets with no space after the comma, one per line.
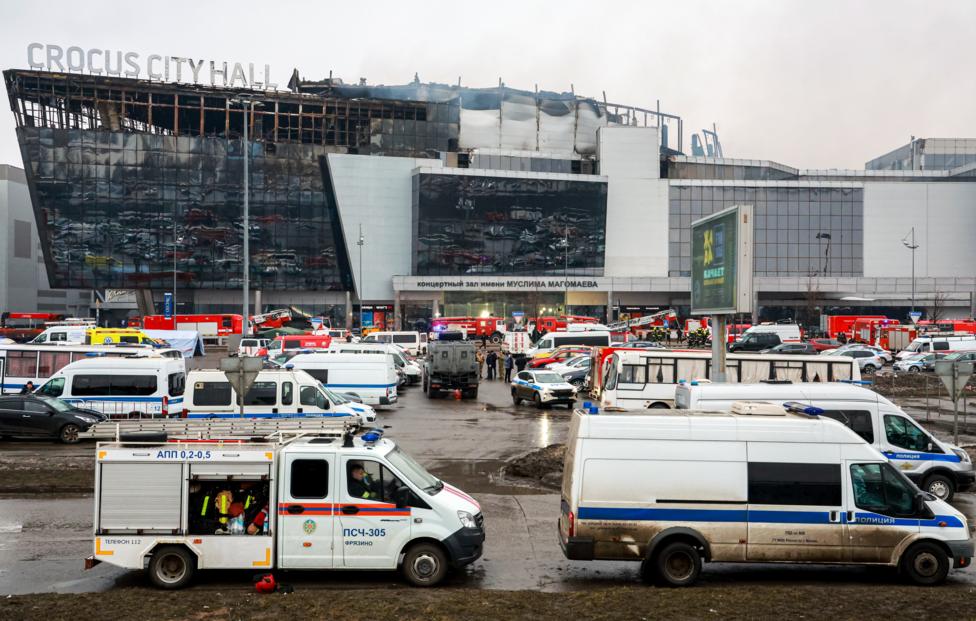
[434,308]
[348,310]
[610,307]
[396,311]
[755,308]
[257,302]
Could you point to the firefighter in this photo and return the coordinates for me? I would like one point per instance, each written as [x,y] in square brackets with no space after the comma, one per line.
[361,485]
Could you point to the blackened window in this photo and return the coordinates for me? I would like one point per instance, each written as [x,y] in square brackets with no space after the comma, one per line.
[117,385]
[309,478]
[794,484]
[177,383]
[859,421]
[211,393]
[286,393]
[262,393]
[321,375]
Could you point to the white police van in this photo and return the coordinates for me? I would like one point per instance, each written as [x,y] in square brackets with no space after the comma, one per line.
[276,393]
[761,483]
[370,377]
[133,386]
[156,507]
[937,467]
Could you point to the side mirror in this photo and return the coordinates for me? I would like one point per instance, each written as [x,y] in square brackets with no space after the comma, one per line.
[929,447]
[402,497]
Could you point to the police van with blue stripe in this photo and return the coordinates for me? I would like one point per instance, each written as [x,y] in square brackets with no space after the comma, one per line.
[937,467]
[759,483]
[372,378]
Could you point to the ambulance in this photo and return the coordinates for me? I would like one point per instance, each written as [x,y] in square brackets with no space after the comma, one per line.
[332,499]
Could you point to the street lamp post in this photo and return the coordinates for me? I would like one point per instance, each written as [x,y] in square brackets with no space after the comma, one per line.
[174,266]
[361,243]
[566,270]
[248,105]
[913,246]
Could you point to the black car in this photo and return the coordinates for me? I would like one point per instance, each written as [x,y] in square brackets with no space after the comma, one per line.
[756,341]
[37,415]
[577,376]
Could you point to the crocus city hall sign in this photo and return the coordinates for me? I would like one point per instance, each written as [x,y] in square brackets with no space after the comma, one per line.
[154,66]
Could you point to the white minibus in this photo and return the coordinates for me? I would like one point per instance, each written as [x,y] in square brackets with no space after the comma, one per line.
[120,387]
[647,378]
[30,362]
[410,368]
[368,376]
[276,393]
[762,483]
[414,343]
[937,467]
[935,343]
[589,338]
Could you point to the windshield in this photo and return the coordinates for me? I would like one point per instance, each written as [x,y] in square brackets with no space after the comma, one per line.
[577,361]
[549,378]
[955,356]
[57,404]
[414,472]
[334,396]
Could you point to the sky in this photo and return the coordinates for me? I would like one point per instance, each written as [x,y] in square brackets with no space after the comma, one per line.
[810,84]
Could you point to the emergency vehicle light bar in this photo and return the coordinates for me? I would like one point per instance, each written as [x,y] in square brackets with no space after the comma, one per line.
[796,407]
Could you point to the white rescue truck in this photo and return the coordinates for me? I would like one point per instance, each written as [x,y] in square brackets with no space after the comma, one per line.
[762,483]
[330,500]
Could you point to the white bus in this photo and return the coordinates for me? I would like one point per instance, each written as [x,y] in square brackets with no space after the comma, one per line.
[647,378]
[33,362]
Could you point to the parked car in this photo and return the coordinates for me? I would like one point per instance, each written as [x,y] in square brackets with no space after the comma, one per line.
[562,354]
[884,354]
[37,415]
[868,361]
[825,344]
[637,345]
[791,348]
[756,341]
[576,362]
[578,376]
[542,387]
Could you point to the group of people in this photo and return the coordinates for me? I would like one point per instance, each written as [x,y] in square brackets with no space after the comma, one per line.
[499,364]
[221,508]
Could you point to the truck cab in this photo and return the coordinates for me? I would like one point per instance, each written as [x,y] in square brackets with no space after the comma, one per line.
[326,501]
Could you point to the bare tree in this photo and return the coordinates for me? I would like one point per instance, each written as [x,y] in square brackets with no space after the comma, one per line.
[937,309]
[811,303]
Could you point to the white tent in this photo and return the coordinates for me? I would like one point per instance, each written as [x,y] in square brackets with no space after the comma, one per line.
[187,341]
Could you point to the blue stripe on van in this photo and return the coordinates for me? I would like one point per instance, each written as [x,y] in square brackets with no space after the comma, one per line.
[360,385]
[173,401]
[754,516]
[912,456]
[261,415]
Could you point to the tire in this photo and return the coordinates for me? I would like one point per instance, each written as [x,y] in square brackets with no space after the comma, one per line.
[537,400]
[940,486]
[870,369]
[914,370]
[678,564]
[172,567]
[470,394]
[925,564]
[495,338]
[69,434]
[516,399]
[658,406]
[424,565]
[578,383]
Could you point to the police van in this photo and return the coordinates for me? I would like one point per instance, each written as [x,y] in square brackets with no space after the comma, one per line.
[145,385]
[370,377]
[409,368]
[275,393]
[760,483]
[937,467]
[334,499]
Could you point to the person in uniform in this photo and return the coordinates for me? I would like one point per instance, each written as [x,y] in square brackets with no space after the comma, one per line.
[361,485]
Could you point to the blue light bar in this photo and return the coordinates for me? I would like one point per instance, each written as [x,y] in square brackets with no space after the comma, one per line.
[802,408]
[290,366]
[373,436]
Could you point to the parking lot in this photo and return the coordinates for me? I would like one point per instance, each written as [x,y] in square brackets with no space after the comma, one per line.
[45,518]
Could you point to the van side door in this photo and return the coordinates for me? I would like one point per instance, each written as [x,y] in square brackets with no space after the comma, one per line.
[907,446]
[306,511]
[881,511]
[374,525]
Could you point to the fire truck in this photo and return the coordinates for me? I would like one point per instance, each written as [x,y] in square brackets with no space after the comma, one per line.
[557,323]
[952,326]
[207,325]
[897,337]
[25,326]
[490,328]
[868,330]
[271,319]
[833,325]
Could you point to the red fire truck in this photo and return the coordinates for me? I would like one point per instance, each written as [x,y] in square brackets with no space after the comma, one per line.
[25,326]
[897,337]
[964,326]
[490,328]
[207,325]
[868,330]
[557,323]
[837,324]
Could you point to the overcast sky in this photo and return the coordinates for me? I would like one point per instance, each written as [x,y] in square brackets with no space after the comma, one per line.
[811,83]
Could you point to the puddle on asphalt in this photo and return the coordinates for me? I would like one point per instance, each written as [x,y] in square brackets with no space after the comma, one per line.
[482,476]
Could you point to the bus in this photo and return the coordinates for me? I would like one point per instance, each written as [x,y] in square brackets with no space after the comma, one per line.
[34,362]
[647,378]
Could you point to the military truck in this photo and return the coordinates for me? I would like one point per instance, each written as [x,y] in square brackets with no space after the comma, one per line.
[451,365]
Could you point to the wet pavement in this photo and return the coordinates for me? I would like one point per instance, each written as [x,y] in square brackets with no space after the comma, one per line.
[45,538]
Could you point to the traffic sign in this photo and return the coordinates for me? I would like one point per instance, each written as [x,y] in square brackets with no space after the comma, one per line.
[955,376]
[915,316]
[168,305]
[241,373]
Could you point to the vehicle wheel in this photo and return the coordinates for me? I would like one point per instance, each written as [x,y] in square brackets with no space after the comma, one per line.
[658,406]
[677,565]
[869,369]
[914,369]
[69,434]
[471,394]
[171,567]
[424,565]
[495,338]
[925,564]
[537,400]
[940,486]
[578,383]
[515,398]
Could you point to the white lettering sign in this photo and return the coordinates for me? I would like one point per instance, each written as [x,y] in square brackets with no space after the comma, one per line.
[46,57]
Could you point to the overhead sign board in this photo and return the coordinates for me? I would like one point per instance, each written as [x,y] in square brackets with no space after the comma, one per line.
[721,262]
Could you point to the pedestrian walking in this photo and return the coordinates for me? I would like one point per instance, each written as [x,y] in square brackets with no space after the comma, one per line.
[480,357]
[509,363]
[491,360]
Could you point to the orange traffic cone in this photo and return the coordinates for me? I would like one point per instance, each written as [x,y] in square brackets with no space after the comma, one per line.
[457,394]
